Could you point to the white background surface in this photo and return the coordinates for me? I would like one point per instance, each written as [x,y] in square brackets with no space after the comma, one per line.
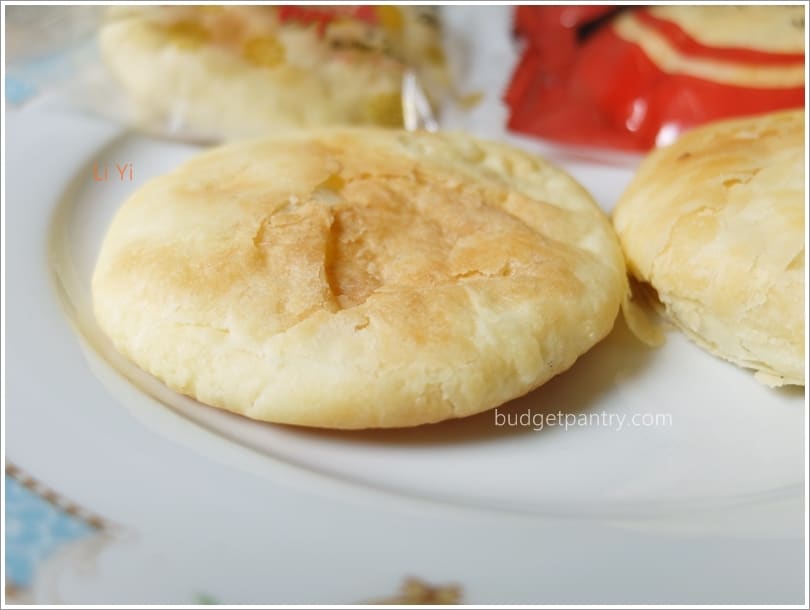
[706,510]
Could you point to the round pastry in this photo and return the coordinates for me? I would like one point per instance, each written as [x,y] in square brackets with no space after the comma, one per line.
[715,224]
[359,278]
[236,71]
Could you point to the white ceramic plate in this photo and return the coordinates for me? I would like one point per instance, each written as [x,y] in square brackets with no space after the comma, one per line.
[702,504]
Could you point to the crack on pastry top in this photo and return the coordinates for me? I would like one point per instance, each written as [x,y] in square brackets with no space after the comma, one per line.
[366,223]
[348,220]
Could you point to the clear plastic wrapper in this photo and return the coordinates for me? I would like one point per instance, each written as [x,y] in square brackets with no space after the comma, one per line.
[218,72]
[633,78]
[47,48]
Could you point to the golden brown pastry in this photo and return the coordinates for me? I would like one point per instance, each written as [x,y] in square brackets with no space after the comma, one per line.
[359,278]
[715,224]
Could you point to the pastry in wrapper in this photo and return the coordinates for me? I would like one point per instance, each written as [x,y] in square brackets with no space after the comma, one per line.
[223,72]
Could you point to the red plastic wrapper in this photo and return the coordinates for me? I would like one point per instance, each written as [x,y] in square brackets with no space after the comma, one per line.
[631,79]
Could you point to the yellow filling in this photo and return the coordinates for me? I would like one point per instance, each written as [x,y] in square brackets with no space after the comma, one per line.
[390,18]
[386,109]
[187,34]
[264,51]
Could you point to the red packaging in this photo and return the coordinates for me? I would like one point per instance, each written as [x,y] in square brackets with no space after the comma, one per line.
[323,15]
[631,79]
